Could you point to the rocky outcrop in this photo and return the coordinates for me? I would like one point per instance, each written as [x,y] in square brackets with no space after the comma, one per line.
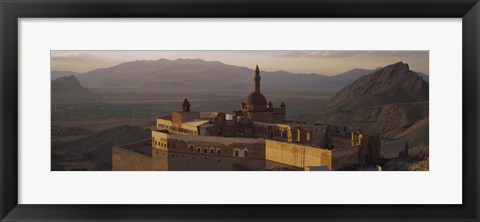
[68,89]
[99,145]
[393,100]
[392,84]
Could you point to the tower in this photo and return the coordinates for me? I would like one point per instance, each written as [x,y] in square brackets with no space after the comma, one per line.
[256,100]
[256,80]
[185,107]
[270,105]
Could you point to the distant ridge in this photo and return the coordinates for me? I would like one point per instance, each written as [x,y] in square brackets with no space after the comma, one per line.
[67,84]
[68,89]
[195,75]
[58,74]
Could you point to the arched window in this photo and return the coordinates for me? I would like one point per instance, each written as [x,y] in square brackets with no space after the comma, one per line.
[236,153]
[219,152]
[245,153]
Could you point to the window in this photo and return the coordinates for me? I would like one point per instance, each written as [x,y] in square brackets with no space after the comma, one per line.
[299,134]
[198,150]
[212,151]
[219,152]
[245,152]
[205,150]
[157,152]
[191,146]
[236,153]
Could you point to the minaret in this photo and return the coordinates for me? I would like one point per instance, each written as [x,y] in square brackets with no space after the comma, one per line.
[185,107]
[256,80]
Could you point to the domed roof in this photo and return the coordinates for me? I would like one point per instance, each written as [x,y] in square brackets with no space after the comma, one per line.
[256,98]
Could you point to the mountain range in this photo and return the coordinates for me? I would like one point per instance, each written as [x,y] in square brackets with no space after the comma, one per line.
[194,75]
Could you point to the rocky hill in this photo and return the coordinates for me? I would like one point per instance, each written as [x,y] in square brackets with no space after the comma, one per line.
[393,84]
[95,151]
[393,100]
[68,89]
[58,74]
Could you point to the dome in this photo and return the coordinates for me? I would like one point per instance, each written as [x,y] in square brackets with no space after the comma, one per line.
[256,99]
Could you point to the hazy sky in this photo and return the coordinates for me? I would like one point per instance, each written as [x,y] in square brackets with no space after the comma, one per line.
[321,62]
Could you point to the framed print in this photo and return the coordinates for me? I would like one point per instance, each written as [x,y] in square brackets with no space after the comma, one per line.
[256,110]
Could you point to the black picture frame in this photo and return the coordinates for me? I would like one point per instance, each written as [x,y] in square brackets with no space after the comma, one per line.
[12,10]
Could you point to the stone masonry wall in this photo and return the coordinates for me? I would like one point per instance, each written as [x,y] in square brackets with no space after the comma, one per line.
[297,155]
[183,152]
[345,157]
[126,160]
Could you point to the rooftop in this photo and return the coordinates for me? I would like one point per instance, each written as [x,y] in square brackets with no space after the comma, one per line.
[167,117]
[141,147]
[195,122]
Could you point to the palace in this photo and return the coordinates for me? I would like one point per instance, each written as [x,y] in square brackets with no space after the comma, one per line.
[255,137]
